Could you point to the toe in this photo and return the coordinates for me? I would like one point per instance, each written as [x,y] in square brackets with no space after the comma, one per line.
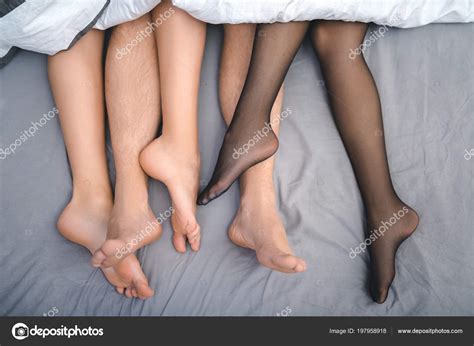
[194,238]
[134,293]
[195,242]
[203,198]
[301,267]
[210,192]
[288,263]
[379,294]
[179,242]
[219,188]
[380,297]
[98,258]
[128,292]
[214,192]
[120,290]
[144,291]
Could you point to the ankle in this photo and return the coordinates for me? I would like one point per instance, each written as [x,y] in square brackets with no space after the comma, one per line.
[131,201]
[383,206]
[131,191]
[95,195]
[258,201]
[186,141]
[255,188]
[186,145]
[378,215]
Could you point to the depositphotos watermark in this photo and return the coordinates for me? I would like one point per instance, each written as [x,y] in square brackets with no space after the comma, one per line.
[469,154]
[145,232]
[285,312]
[25,135]
[374,36]
[51,312]
[142,34]
[260,134]
[379,232]
[21,331]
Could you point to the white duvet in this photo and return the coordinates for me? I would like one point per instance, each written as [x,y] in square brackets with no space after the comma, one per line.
[400,13]
[49,26]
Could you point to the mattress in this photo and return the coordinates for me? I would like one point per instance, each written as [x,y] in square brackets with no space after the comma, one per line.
[426,80]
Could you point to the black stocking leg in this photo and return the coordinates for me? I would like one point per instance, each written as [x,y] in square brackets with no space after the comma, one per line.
[356,107]
[249,138]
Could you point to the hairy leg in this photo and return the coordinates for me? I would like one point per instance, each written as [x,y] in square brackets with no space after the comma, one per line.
[132,95]
[357,111]
[257,224]
[249,138]
[173,158]
[77,84]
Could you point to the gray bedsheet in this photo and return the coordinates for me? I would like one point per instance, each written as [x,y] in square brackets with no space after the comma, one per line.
[425,77]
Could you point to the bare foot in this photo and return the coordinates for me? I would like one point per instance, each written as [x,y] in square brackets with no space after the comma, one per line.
[178,168]
[261,229]
[85,223]
[388,230]
[130,228]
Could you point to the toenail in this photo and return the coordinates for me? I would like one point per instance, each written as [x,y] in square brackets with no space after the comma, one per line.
[300,267]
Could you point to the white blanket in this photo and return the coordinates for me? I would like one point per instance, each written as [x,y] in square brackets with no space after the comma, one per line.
[49,26]
[120,11]
[399,13]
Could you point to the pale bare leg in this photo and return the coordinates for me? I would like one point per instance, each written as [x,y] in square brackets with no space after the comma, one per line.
[76,80]
[132,95]
[257,224]
[173,158]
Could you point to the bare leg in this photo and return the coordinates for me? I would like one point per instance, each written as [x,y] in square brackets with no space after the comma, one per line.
[249,138]
[357,111]
[76,80]
[174,157]
[132,96]
[257,224]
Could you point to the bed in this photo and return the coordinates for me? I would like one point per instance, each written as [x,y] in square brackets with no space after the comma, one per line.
[426,82]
